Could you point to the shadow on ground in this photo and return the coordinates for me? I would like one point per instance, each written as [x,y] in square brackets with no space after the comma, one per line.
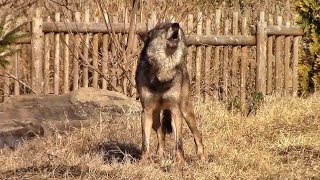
[294,153]
[119,152]
[56,171]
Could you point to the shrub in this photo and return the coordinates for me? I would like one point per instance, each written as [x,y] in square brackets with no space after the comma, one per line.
[309,65]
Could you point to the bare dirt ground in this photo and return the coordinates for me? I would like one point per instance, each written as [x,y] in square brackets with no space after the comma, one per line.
[281,141]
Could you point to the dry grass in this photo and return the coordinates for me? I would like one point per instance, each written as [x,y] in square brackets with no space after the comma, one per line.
[281,141]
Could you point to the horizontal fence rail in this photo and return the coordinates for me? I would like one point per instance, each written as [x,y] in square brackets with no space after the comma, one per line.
[227,59]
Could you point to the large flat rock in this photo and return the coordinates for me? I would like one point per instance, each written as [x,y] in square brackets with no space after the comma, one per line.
[26,116]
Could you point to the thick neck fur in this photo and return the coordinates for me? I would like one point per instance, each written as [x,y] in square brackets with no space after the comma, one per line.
[165,63]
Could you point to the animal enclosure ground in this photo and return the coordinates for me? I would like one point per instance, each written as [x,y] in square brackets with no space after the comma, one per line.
[281,141]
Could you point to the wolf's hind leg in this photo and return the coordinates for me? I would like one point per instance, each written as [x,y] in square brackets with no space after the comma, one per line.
[176,124]
[189,116]
[157,127]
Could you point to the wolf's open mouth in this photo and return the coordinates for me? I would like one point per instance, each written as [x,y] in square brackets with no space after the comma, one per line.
[173,41]
[175,36]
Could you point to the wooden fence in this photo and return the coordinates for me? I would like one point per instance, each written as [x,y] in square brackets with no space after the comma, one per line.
[227,58]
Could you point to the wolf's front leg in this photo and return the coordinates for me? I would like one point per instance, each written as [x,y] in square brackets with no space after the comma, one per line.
[146,123]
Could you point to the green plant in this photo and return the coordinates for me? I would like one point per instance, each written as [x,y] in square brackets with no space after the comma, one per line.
[309,65]
[7,38]
[234,104]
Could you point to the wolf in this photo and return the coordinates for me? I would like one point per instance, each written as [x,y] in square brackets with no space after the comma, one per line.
[163,86]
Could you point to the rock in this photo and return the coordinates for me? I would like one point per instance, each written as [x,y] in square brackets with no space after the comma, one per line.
[26,116]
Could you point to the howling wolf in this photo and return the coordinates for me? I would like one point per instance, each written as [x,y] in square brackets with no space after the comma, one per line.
[163,85]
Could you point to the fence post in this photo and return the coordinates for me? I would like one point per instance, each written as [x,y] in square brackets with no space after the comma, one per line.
[198,58]
[235,57]
[46,61]
[95,55]
[270,59]
[66,46]
[189,32]
[225,71]
[261,54]
[6,79]
[56,58]
[75,61]
[287,61]
[216,59]
[243,65]
[37,53]
[295,56]
[207,73]
[105,57]
[278,65]
[152,21]
[85,60]
[16,73]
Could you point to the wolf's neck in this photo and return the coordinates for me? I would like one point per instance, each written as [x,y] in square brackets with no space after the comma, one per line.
[166,66]
[164,75]
[166,69]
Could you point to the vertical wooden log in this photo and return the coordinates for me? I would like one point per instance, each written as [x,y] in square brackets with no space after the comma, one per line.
[207,73]
[95,56]
[270,58]
[16,73]
[243,66]
[235,57]
[198,58]
[66,46]
[189,32]
[125,60]
[114,68]
[134,62]
[75,61]
[225,70]
[216,60]
[287,62]
[295,56]
[261,54]
[6,78]
[56,58]
[86,45]
[152,21]
[278,60]
[37,53]
[105,44]
[46,63]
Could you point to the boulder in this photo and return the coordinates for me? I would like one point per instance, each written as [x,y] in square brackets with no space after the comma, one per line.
[26,116]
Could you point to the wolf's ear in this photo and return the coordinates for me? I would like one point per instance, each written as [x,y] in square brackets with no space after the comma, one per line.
[144,36]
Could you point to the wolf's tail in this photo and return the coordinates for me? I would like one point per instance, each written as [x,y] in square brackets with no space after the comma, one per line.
[166,122]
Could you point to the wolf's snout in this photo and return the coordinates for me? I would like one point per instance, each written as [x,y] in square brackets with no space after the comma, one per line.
[175,26]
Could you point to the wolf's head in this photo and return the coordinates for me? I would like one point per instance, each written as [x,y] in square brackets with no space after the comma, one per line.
[165,46]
